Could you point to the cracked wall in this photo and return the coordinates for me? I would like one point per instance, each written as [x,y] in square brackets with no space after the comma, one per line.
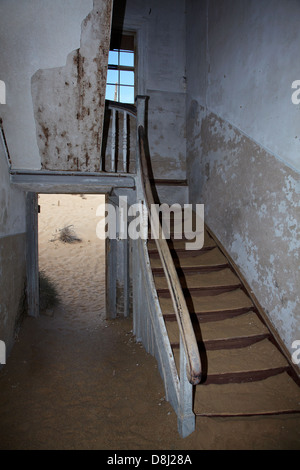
[242,155]
[252,204]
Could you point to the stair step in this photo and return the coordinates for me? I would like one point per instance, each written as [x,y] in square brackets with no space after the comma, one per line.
[241,365]
[234,332]
[273,396]
[180,245]
[209,283]
[193,261]
[210,308]
[244,373]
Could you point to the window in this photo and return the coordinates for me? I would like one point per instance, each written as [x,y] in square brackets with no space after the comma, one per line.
[120,74]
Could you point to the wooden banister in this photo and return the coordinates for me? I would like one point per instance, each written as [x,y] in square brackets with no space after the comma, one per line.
[187,334]
[186,330]
[128,108]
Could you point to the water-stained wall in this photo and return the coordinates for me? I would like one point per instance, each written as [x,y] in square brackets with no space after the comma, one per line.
[243,143]
[69,101]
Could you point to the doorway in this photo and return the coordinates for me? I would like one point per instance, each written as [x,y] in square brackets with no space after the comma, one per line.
[71,257]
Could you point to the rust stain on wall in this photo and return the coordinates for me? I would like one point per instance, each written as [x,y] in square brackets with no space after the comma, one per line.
[69,101]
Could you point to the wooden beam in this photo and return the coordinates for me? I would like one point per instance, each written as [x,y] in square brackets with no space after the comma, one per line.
[70,182]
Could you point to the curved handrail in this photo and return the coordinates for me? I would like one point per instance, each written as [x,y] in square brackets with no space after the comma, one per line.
[129,108]
[187,334]
[194,369]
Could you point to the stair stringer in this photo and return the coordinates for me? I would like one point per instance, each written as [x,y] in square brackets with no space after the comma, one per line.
[148,322]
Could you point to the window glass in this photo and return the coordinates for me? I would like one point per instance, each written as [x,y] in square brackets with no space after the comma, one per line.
[126,94]
[127,59]
[113,57]
[126,78]
[112,76]
[120,74]
[110,92]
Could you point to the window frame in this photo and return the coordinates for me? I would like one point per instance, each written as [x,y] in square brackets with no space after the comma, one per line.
[123,68]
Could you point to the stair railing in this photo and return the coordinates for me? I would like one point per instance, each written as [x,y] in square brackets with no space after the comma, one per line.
[146,298]
[190,361]
[187,334]
[116,109]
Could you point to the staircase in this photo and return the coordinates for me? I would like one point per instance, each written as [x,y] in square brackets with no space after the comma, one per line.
[244,371]
[216,351]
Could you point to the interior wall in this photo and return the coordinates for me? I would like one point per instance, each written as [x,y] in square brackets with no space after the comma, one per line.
[69,101]
[34,35]
[12,255]
[160,28]
[243,142]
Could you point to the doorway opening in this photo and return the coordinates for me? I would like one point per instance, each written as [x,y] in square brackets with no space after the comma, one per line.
[71,257]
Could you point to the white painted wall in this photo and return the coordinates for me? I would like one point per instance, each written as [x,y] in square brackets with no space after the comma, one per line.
[243,146]
[160,27]
[251,62]
[12,203]
[34,34]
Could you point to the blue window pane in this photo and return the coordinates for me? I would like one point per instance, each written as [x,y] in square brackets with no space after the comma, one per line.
[110,92]
[127,78]
[113,57]
[112,76]
[127,58]
[126,94]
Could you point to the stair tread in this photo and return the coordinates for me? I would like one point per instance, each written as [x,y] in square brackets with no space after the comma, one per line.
[245,326]
[181,244]
[194,259]
[222,278]
[236,299]
[244,373]
[260,356]
[273,395]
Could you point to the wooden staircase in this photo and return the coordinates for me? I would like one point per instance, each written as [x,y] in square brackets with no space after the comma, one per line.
[245,370]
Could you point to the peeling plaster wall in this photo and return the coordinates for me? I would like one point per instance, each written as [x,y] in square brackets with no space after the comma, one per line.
[69,101]
[12,255]
[34,34]
[242,153]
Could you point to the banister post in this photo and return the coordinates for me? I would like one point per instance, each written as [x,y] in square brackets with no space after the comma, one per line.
[141,110]
[113,140]
[125,142]
[186,419]
[140,102]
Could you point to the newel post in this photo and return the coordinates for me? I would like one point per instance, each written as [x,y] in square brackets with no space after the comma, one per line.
[140,101]
[185,418]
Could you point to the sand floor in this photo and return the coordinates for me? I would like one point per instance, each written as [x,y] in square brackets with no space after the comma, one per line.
[77,381]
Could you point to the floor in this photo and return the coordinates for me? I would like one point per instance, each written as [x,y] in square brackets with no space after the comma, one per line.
[77,381]
[91,386]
